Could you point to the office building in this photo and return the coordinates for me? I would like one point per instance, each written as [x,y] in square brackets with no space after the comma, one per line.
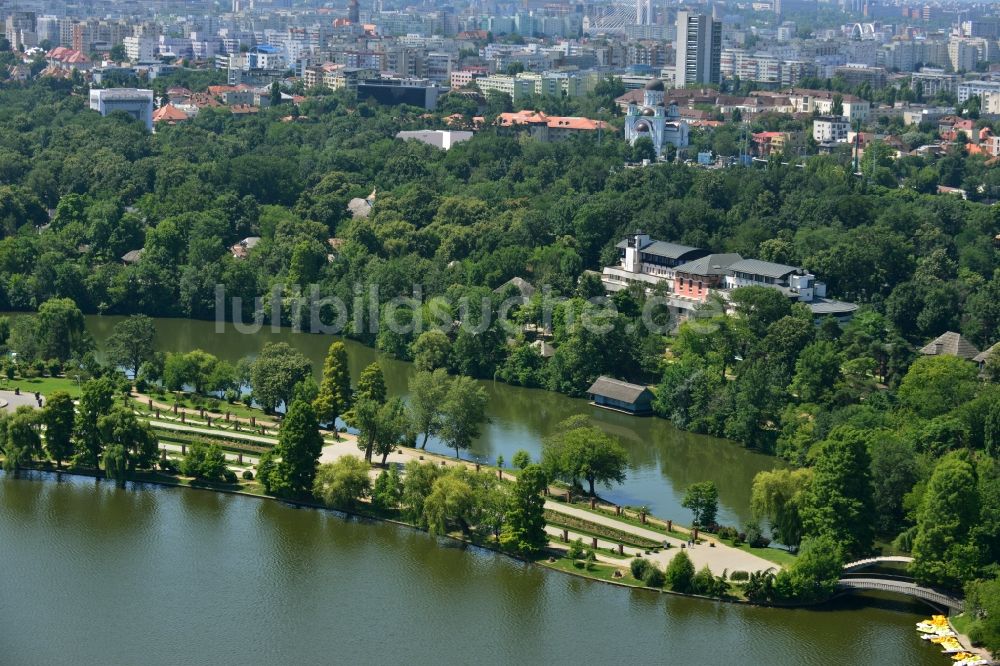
[414,92]
[699,49]
[136,103]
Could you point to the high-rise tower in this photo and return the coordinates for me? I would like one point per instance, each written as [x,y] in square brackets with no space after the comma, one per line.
[698,48]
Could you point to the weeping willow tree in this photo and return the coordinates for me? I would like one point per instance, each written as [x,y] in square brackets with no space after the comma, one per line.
[116,463]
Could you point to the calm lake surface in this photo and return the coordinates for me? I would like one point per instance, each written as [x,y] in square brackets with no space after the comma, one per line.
[94,574]
[664,461]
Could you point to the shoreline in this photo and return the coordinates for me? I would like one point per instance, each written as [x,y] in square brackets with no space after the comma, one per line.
[305,504]
[166,481]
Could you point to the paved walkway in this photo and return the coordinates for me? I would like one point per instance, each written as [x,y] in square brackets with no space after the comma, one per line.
[718,558]
[11,402]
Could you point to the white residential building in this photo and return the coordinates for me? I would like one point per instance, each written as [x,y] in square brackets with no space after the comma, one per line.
[141,48]
[830,129]
[967,89]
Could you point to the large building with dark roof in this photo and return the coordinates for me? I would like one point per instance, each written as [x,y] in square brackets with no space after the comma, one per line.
[648,262]
[692,275]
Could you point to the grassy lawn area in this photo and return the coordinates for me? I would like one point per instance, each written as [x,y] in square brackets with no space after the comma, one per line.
[598,570]
[779,557]
[43,385]
[962,623]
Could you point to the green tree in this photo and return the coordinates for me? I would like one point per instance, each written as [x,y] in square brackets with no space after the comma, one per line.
[942,551]
[392,428]
[431,350]
[814,574]
[702,499]
[418,479]
[197,369]
[935,385]
[816,372]
[779,496]
[96,400]
[299,447]
[462,412]
[115,461]
[450,502]
[58,417]
[895,471]
[680,573]
[121,427]
[371,385]
[428,391]
[524,530]
[761,306]
[982,602]
[334,397]
[205,461]
[60,330]
[521,459]
[274,374]
[20,442]
[580,451]
[840,502]
[131,343]
[388,489]
[343,482]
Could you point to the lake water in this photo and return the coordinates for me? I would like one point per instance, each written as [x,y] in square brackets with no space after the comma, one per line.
[95,574]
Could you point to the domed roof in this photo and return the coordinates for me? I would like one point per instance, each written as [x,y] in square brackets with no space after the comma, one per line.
[655,84]
[647,111]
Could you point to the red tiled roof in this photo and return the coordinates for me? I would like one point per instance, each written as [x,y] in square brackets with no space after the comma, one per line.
[169,114]
[556,122]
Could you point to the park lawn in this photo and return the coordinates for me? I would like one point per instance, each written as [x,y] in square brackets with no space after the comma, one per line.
[599,571]
[44,385]
[780,557]
[963,623]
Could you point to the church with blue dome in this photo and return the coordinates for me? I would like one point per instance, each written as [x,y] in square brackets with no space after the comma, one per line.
[661,124]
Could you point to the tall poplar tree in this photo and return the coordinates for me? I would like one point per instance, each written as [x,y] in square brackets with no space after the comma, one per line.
[299,446]
[334,397]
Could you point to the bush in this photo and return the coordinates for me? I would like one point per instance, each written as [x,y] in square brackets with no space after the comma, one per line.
[231,395]
[579,564]
[53,366]
[738,575]
[576,550]
[653,577]
[141,386]
[727,532]
[39,367]
[247,475]
[639,566]
[205,460]
[168,465]
[680,572]
[212,404]
[705,582]
[229,476]
[755,538]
